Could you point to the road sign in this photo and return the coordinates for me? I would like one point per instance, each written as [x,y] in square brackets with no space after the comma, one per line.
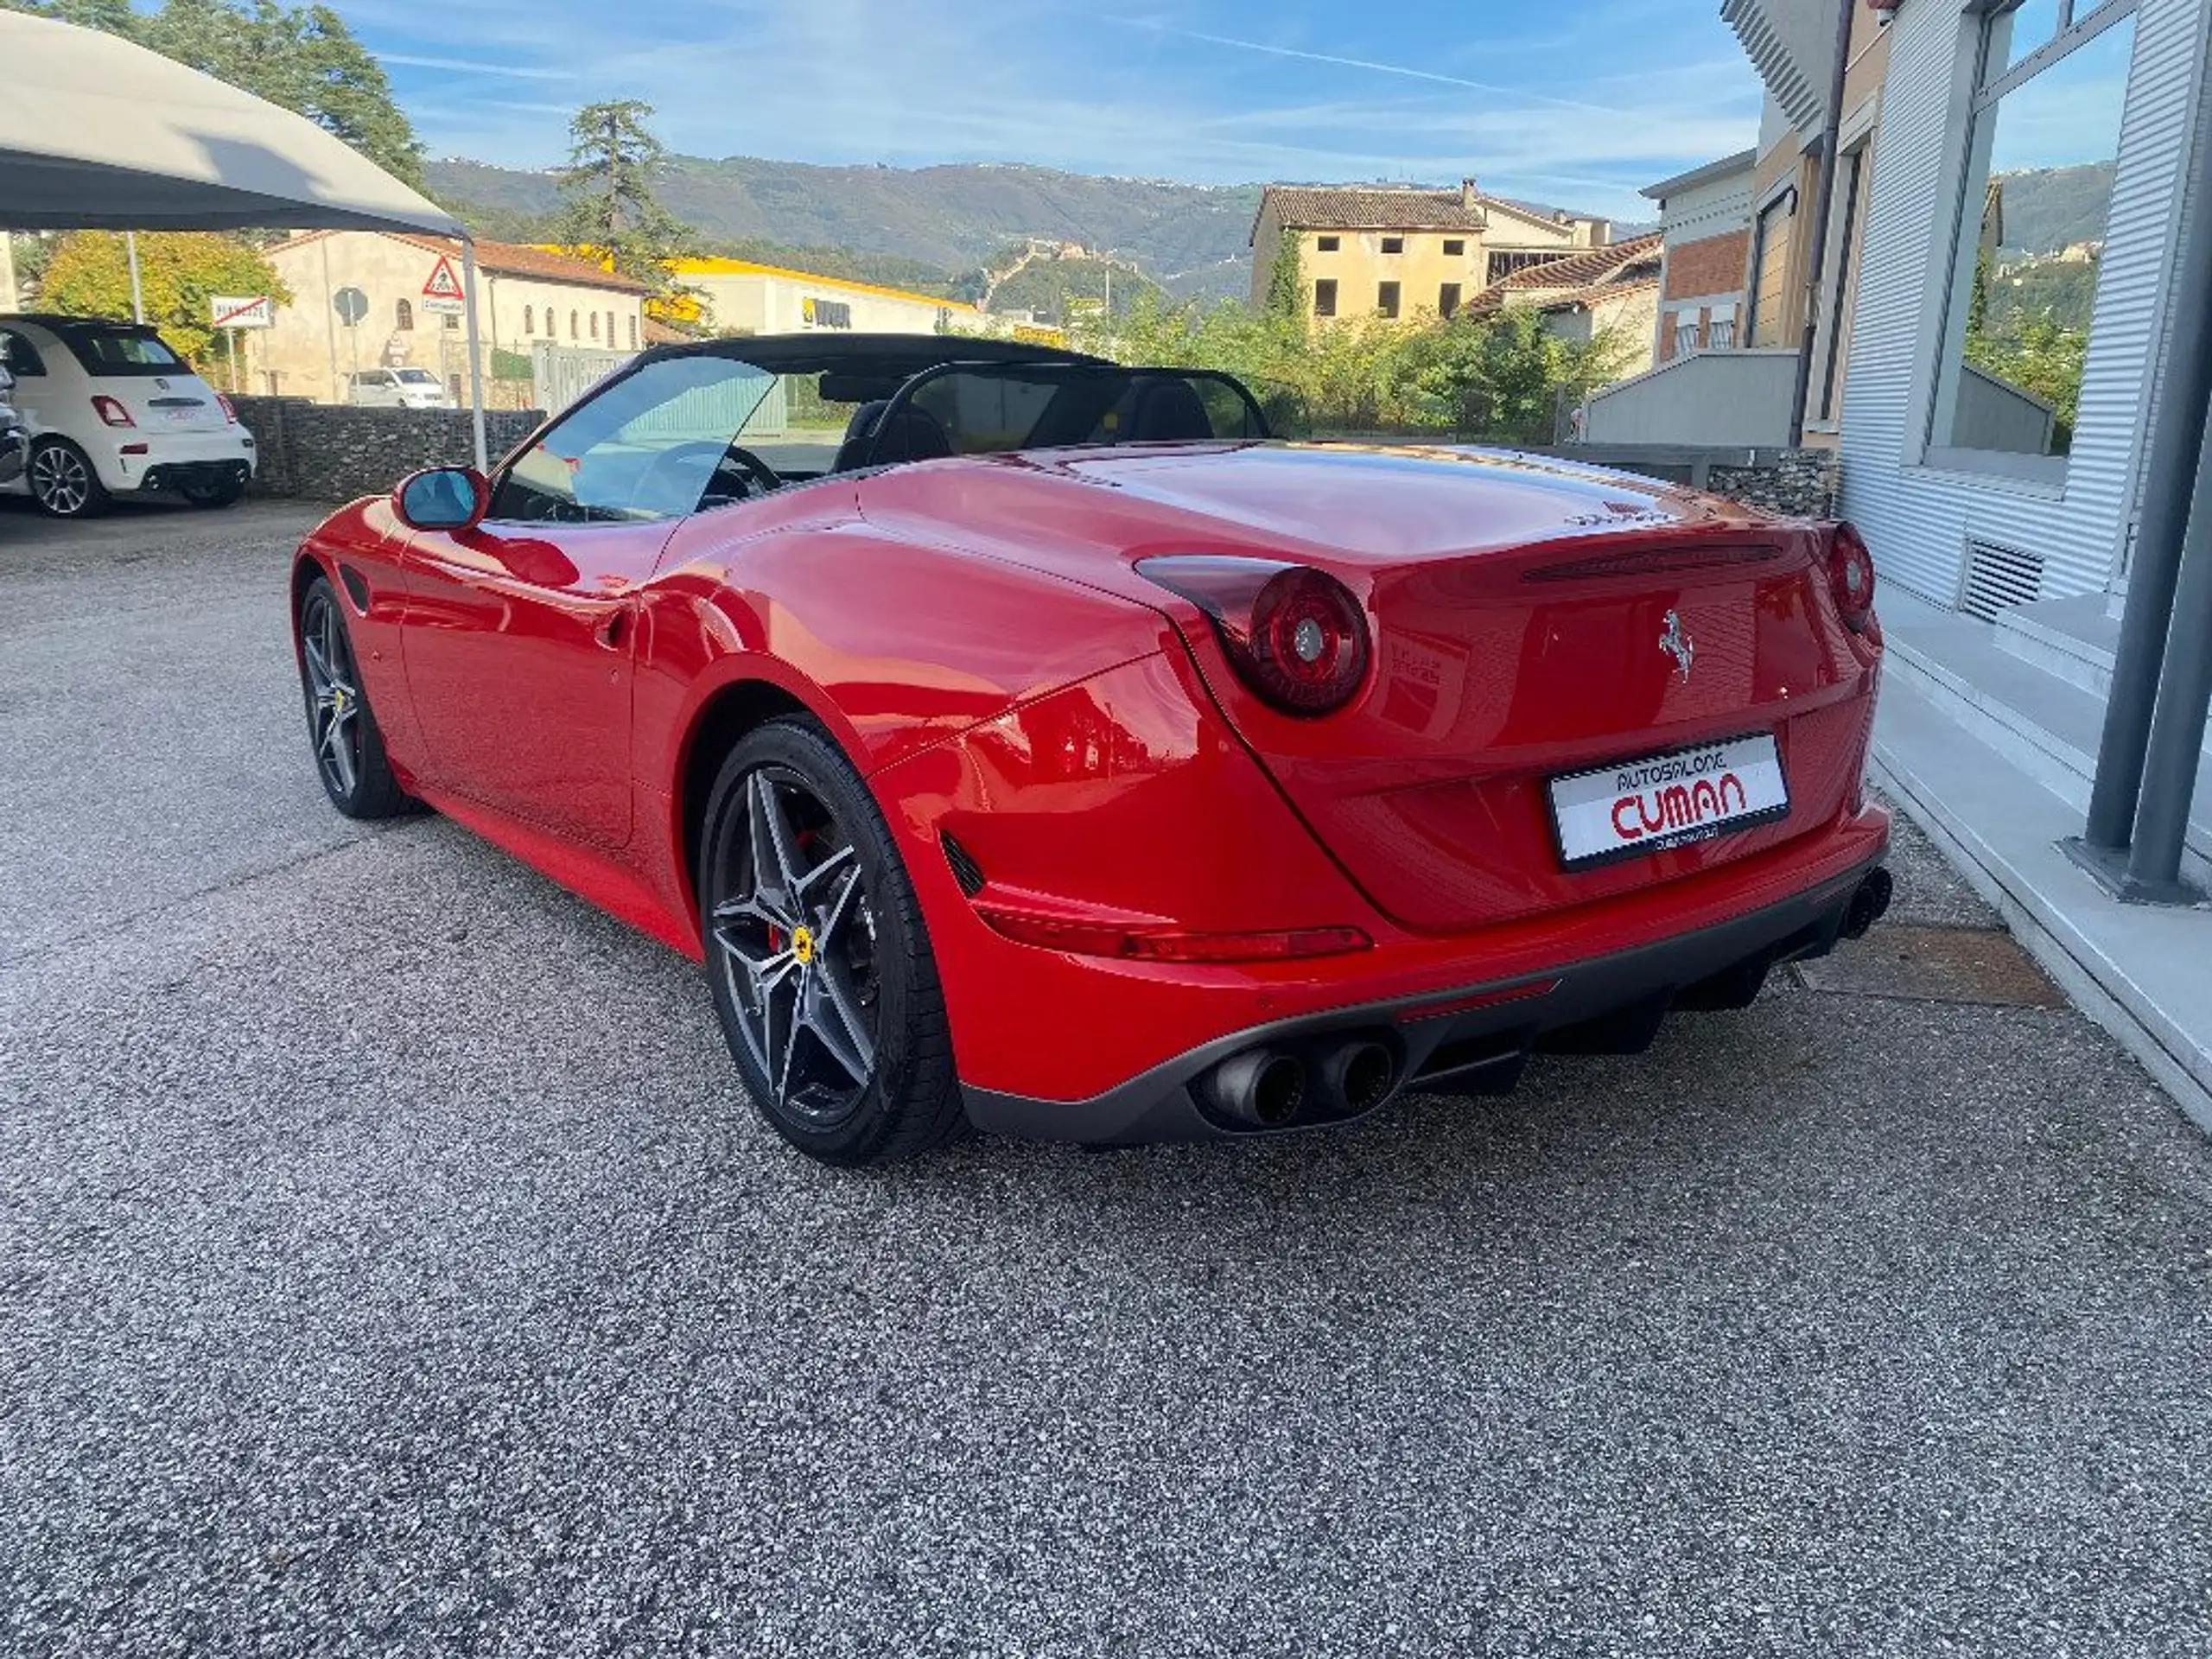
[443,292]
[234,311]
[352,305]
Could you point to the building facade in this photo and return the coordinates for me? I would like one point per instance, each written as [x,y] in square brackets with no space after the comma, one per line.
[1397,253]
[1608,294]
[413,315]
[2014,315]
[1962,268]
[742,297]
[1705,230]
[1740,235]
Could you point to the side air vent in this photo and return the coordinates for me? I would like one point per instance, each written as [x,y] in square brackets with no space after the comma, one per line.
[356,588]
[1998,578]
[965,870]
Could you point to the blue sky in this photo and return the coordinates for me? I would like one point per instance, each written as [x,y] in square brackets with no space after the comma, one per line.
[1578,102]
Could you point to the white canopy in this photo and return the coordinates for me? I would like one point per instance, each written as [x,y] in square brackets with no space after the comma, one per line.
[97,133]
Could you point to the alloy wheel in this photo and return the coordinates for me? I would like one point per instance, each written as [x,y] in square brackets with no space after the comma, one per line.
[333,695]
[798,946]
[61,480]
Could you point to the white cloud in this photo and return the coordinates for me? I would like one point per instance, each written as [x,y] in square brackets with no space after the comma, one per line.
[475,67]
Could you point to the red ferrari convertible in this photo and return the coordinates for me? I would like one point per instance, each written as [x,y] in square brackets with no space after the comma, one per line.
[1022,739]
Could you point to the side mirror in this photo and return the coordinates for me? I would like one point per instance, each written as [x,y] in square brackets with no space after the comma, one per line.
[442,498]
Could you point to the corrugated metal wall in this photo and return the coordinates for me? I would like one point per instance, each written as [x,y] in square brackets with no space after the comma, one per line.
[1918,521]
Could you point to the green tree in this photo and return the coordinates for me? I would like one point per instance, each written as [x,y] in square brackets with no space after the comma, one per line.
[1286,295]
[2041,356]
[89,276]
[608,210]
[303,59]
[1503,376]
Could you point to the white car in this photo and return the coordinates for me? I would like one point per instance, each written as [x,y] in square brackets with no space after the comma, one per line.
[397,389]
[112,410]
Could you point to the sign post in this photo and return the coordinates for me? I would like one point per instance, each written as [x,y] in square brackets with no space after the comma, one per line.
[443,293]
[232,312]
[351,305]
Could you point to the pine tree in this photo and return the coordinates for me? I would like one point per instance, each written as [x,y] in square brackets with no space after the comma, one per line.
[608,210]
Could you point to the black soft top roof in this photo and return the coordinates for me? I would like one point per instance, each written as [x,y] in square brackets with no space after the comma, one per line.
[903,355]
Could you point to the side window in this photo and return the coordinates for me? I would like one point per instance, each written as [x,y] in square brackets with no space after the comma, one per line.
[643,447]
[20,356]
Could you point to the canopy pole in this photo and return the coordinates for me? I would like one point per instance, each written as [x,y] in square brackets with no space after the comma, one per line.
[475,357]
[137,297]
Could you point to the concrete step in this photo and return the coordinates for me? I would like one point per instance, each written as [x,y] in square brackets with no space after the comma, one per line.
[2076,640]
[2138,970]
[2048,727]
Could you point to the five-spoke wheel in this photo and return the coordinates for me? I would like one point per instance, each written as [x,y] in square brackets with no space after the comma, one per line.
[348,749]
[816,953]
[62,481]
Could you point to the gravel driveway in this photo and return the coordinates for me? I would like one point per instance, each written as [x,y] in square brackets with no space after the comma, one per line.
[388,1265]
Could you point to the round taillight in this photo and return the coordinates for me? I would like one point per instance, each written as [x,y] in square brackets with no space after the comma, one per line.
[1295,635]
[1308,642]
[1851,577]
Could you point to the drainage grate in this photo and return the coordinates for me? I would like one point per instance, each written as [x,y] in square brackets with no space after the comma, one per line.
[1998,578]
[1935,964]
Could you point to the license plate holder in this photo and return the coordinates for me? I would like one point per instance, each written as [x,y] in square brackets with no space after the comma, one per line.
[1652,803]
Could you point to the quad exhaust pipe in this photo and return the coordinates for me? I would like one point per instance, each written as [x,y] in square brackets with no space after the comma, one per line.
[1868,903]
[1359,1074]
[1268,1087]
[1264,1087]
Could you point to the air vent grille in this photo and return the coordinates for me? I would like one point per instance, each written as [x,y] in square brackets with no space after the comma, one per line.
[965,870]
[1998,578]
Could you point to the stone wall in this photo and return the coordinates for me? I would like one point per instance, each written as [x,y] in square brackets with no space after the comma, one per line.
[1803,483]
[1798,483]
[334,452]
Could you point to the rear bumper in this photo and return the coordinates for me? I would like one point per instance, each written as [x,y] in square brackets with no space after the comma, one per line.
[1473,1038]
[15,446]
[186,474]
[171,460]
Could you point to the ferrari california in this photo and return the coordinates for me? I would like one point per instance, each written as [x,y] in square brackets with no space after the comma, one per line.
[1031,742]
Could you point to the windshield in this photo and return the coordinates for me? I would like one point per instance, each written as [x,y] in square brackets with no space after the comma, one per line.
[988,409]
[120,349]
[418,377]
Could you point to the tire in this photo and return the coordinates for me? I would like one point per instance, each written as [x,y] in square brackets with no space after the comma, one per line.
[341,727]
[62,481]
[819,961]
[228,494]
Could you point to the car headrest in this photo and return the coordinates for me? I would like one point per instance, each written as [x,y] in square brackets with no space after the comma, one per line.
[849,386]
[1168,410]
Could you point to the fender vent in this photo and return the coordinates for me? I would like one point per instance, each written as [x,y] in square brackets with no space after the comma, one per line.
[356,588]
[1997,578]
[965,870]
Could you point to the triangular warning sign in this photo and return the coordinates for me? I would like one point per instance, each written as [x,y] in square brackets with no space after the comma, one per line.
[443,284]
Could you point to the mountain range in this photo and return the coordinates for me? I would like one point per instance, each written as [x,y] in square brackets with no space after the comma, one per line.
[935,227]
[1192,239]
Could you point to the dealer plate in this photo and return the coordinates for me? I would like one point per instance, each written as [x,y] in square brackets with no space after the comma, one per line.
[1667,800]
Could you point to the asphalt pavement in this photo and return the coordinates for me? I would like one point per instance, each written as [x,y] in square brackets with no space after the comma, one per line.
[389,1264]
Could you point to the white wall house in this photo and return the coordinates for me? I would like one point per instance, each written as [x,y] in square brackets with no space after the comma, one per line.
[524,296]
